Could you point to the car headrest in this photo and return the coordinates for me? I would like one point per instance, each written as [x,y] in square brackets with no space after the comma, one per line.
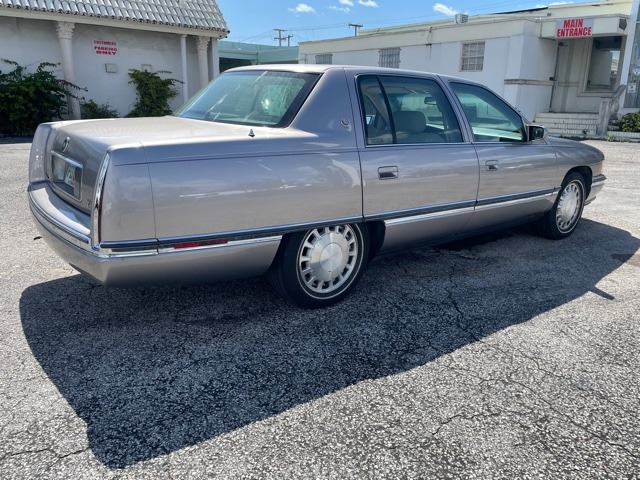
[409,121]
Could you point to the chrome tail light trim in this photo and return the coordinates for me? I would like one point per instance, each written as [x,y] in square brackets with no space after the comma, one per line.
[97,202]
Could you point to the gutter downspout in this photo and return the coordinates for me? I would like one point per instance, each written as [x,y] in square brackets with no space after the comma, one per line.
[183,55]
[215,58]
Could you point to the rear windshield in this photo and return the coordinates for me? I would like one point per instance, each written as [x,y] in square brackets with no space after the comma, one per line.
[260,98]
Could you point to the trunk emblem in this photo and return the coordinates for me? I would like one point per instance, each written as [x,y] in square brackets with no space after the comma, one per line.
[65,144]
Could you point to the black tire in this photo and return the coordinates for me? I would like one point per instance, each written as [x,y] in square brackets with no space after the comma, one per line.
[319,267]
[564,216]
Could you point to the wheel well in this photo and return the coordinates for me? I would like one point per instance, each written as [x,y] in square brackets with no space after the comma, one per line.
[586,174]
[376,237]
[375,229]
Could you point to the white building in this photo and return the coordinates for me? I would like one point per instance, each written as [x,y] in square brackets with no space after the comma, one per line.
[239,54]
[96,42]
[566,59]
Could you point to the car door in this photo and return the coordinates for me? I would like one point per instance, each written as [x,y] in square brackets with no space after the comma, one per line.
[517,176]
[419,176]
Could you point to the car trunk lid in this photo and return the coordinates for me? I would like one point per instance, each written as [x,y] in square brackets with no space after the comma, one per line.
[77,148]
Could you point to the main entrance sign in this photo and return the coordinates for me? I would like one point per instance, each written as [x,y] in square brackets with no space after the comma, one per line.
[574,27]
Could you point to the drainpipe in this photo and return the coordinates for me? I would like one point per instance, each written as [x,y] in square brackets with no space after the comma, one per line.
[215,58]
[183,54]
[65,35]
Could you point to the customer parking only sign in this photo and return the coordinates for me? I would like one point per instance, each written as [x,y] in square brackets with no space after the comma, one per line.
[574,27]
[105,47]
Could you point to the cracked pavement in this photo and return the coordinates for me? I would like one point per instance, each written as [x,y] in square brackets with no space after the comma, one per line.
[505,356]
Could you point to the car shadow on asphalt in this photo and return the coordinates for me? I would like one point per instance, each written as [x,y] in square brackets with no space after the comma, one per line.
[154,370]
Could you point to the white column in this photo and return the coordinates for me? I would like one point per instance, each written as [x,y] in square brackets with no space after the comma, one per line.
[65,34]
[185,80]
[215,58]
[202,44]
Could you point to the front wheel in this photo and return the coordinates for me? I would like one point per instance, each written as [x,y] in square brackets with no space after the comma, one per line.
[563,218]
[319,267]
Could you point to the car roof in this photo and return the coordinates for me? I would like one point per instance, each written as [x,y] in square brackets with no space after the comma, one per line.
[354,69]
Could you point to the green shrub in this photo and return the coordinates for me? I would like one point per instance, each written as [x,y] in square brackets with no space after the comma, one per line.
[91,110]
[28,99]
[630,122]
[154,93]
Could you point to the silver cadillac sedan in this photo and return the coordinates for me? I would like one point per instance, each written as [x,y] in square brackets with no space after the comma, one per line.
[303,172]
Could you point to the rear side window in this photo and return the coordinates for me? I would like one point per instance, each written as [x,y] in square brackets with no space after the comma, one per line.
[490,117]
[406,110]
[377,119]
[252,97]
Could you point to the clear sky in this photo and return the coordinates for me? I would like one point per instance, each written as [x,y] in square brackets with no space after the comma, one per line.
[255,21]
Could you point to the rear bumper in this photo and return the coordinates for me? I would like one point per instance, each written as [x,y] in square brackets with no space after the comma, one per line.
[147,262]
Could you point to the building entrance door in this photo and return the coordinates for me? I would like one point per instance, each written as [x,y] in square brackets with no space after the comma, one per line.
[587,69]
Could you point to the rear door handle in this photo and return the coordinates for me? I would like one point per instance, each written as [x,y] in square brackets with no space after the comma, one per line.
[387,173]
[492,165]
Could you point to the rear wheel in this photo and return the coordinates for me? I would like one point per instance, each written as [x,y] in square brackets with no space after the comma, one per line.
[319,267]
[563,218]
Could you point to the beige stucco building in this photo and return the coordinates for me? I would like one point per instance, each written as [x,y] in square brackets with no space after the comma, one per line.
[96,42]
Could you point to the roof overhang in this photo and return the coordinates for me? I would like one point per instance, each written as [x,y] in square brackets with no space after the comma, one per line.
[112,22]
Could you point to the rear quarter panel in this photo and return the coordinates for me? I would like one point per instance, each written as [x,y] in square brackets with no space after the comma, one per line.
[283,187]
[306,173]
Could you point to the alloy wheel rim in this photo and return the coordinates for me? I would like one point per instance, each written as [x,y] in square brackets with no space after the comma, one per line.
[569,206]
[327,258]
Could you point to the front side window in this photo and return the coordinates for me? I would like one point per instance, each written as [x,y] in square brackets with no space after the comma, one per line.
[390,57]
[472,57]
[490,117]
[253,97]
[405,110]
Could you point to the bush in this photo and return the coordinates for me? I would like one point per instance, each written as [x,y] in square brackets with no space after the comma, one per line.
[154,93]
[91,110]
[29,99]
[630,122]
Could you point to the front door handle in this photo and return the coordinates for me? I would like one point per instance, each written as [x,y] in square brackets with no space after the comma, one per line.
[387,173]
[492,165]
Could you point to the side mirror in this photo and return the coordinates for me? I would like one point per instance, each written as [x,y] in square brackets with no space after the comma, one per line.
[537,132]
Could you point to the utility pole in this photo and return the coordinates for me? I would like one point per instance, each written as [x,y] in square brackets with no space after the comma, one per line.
[289,37]
[279,37]
[355,26]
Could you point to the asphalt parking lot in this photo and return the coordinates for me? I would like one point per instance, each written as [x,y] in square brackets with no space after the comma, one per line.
[509,356]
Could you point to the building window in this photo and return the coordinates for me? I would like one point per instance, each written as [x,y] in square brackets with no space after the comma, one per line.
[390,57]
[324,59]
[472,57]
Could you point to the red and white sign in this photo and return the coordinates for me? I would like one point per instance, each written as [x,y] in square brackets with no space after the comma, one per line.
[574,27]
[105,47]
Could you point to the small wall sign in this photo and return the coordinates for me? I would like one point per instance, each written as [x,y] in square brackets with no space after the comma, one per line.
[105,47]
[574,28]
